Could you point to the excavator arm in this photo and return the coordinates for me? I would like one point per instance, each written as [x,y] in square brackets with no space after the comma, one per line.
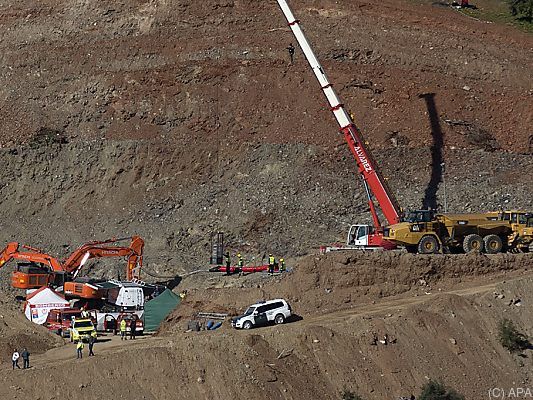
[34,255]
[43,274]
[133,253]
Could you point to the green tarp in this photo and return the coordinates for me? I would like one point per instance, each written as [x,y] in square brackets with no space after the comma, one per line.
[156,310]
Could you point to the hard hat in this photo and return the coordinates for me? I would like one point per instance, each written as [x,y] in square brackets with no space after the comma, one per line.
[270,254]
[238,254]
[281,259]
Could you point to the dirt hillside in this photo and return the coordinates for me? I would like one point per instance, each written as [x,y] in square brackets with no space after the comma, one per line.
[16,332]
[435,332]
[174,119]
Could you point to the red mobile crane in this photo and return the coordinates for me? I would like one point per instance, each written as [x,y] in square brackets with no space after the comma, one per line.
[359,236]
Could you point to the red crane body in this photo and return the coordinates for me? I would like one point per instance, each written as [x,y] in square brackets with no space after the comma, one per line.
[372,179]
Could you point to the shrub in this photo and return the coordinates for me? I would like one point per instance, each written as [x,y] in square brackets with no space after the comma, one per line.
[349,395]
[434,390]
[510,338]
[523,8]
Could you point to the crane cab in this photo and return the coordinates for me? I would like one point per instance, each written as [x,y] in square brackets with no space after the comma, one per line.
[361,237]
[358,235]
[367,237]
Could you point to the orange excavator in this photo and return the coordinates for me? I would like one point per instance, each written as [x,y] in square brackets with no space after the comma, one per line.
[40,269]
[36,269]
[75,262]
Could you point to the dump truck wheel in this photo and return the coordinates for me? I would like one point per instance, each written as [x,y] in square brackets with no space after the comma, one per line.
[472,243]
[493,244]
[428,245]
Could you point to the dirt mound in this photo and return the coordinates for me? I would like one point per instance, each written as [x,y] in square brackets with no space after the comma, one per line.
[448,336]
[17,332]
[336,281]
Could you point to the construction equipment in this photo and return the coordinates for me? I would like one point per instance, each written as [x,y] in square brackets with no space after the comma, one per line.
[521,223]
[359,236]
[40,269]
[217,248]
[75,262]
[426,232]
[89,250]
[247,269]
[423,231]
[37,268]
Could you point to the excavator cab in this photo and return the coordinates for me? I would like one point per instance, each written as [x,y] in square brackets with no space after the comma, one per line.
[30,275]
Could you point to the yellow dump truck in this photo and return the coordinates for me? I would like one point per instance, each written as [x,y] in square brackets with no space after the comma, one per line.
[427,232]
[521,223]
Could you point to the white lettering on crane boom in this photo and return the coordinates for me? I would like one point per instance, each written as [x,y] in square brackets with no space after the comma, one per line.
[361,155]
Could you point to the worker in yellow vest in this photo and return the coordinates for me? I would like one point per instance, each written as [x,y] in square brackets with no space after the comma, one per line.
[79,349]
[240,261]
[123,330]
[281,265]
[271,263]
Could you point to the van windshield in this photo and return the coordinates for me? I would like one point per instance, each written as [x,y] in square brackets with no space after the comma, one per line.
[83,324]
[68,317]
[250,311]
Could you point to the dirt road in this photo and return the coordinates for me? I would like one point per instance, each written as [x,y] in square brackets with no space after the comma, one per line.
[399,303]
[438,335]
[109,343]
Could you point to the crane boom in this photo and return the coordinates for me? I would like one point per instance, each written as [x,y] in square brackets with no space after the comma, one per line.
[372,179]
